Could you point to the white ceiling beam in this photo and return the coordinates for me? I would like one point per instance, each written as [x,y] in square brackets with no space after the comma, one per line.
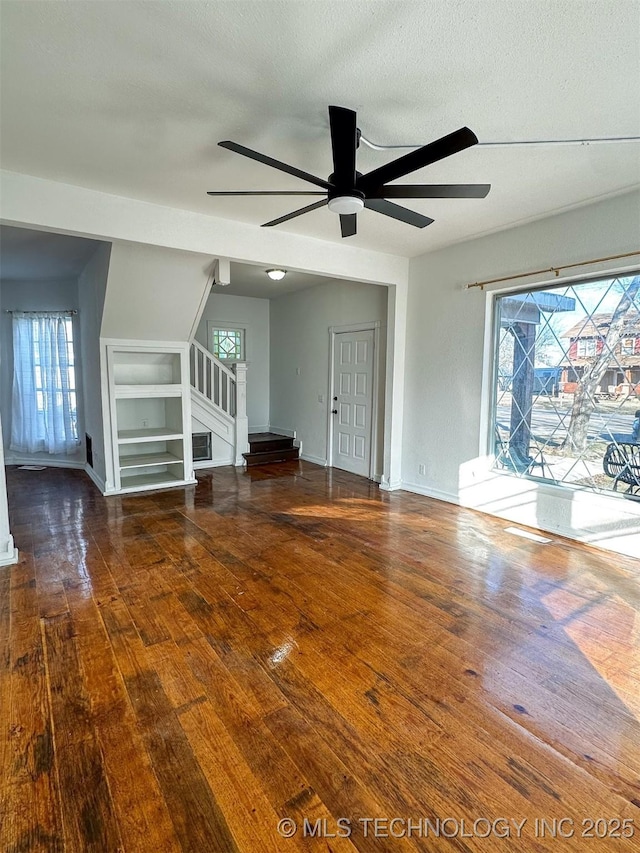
[52,206]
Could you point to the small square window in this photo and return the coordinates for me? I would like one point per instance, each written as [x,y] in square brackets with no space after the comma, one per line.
[228,344]
[628,346]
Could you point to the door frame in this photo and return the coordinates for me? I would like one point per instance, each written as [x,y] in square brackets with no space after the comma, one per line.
[371,326]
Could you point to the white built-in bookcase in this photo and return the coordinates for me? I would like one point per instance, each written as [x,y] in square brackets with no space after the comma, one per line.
[150,413]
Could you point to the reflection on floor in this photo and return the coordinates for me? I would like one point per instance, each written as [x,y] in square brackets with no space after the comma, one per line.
[184,670]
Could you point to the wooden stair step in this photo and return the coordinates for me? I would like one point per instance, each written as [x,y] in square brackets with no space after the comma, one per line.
[263,457]
[261,442]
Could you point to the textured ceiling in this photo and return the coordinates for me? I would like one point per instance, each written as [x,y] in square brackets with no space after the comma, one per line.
[252,280]
[131,98]
[27,255]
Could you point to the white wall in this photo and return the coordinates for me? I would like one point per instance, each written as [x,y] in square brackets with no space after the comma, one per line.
[153,293]
[444,422]
[50,205]
[92,285]
[253,315]
[36,296]
[300,325]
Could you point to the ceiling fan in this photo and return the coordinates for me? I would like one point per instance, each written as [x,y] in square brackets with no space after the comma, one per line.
[347,191]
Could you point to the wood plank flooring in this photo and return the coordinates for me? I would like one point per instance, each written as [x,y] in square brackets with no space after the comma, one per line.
[183,670]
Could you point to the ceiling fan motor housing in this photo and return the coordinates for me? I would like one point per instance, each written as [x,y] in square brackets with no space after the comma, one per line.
[345,200]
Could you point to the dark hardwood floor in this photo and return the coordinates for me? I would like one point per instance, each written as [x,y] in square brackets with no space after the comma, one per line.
[182,670]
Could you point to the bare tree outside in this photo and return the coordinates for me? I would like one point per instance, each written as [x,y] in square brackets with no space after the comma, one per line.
[584,401]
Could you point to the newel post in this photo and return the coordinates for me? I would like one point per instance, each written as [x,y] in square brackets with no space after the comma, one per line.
[242,422]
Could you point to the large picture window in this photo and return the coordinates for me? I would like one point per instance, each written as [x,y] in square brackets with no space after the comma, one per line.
[567,384]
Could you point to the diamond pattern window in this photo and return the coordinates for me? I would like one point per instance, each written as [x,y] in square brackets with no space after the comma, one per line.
[228,344]
[567,383]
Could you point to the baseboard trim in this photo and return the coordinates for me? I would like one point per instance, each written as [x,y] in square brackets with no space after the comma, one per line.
[45,463]
[418,489]
[308,457]
[290,433]
[10,555]
[212,463]
[97,480]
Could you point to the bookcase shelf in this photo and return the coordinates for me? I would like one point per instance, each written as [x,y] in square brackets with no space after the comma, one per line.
[133,436]
[149,399]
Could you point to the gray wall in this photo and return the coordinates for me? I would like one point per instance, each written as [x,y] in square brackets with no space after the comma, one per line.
[91,293]
[253,315]
[300,325]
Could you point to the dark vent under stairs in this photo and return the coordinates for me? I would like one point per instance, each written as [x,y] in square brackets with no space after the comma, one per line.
[265,447]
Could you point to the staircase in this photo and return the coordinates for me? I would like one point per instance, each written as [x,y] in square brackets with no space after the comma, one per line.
[267,447]
[219,403]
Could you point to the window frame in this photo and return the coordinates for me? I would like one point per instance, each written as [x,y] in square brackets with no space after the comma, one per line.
[225,326]
[590,347]
[489,386]
[73,387]
[76,393]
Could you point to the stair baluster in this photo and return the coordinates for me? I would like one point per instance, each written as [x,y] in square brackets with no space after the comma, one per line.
[223,389]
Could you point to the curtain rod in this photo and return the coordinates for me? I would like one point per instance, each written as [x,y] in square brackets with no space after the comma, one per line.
[53,311]
[556,270]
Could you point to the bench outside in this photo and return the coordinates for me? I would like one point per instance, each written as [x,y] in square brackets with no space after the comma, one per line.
[622,462]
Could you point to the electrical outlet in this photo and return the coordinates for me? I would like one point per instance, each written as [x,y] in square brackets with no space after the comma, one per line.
[422,469]
[298,371]
[321,398]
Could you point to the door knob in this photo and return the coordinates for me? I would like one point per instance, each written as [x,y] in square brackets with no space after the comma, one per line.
[335,399]
[334,411]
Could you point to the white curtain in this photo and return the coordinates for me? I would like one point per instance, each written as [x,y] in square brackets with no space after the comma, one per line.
[44,402]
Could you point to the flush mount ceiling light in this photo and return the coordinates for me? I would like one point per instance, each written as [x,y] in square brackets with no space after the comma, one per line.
[276,275]
[346,204]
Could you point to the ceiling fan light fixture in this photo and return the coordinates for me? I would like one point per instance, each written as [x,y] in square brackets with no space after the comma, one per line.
[276,275]
[346,204]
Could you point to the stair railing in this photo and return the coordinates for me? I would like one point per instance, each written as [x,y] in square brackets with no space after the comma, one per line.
[213,379]
[225,389]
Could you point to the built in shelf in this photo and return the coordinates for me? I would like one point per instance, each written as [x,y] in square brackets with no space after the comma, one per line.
[141,391]
[145,479]
[141,460]
[149,396]
[131,436]
[145,367]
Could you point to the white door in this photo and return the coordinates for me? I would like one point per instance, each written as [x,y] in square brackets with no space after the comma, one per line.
[352,404]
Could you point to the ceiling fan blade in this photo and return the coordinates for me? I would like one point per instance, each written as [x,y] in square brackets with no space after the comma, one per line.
[295,213]
[344,141]
[266,192]
[432,191]
[397,212]
[438,150]
[276,164]
[348,224]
